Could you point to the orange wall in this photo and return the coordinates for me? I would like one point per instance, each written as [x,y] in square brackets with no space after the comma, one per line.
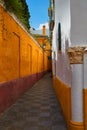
[44,39]
[20,55]
[63,93]
[85,107]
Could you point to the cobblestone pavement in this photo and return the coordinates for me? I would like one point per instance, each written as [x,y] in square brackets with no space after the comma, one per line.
[37,109]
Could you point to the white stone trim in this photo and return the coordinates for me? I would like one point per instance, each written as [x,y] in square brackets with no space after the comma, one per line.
[77,93]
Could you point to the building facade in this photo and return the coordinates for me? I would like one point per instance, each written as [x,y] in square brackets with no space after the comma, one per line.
[68,33]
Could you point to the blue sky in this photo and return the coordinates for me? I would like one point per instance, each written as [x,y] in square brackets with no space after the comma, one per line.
[39,12]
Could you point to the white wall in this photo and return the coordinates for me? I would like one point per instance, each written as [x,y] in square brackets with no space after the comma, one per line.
[62,15]
[77,93]
[85,70]
[72,14]
[78,22]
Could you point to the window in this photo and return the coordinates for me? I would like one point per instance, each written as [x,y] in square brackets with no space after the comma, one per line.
[59,36]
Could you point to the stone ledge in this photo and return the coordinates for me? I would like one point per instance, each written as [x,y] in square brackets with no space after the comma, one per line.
[76,54]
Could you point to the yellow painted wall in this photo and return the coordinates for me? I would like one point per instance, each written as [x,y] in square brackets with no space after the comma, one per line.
[1,23]
[85,107]
[63,93]
[41,40]
[44,39]
[76,125]
[20,55]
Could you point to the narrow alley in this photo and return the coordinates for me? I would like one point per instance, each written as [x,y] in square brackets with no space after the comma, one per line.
[37,109]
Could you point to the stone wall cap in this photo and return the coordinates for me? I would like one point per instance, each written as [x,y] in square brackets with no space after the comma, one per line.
[85,51]
[76,54]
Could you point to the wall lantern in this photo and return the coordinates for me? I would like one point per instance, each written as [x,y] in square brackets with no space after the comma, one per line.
[44,46]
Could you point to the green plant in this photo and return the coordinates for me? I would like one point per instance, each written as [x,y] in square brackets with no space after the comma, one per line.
[20,9]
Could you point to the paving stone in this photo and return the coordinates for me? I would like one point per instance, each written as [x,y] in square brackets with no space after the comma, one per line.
[37,109]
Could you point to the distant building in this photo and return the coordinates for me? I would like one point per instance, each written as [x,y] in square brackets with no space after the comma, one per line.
[38,31]
[44,42]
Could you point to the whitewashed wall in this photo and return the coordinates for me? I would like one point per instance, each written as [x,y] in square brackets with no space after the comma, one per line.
[85,70]
[62,15]
[78,38]
[72,14]
[78,22]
